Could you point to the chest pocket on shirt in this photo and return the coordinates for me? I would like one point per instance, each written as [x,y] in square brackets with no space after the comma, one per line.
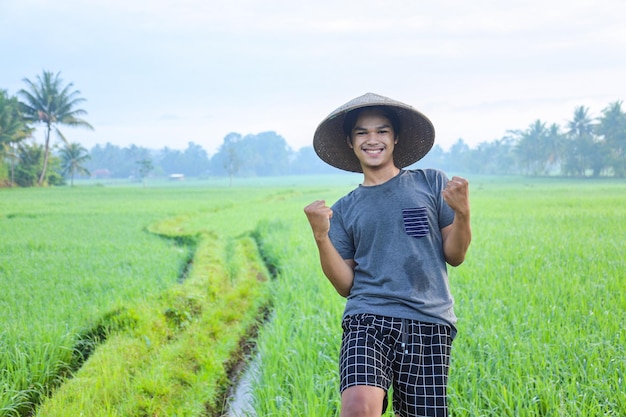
[415,221]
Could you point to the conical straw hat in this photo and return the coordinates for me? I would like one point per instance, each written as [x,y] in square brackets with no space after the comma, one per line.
[415,139]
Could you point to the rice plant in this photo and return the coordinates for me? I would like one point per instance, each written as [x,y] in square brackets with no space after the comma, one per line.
[125,277]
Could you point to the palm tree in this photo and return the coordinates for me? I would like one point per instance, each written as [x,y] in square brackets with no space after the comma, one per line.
[580,132]
[49,102]
[72,158]
[582,123]
[554,146]
[531,148]
[612,127]
[13,129]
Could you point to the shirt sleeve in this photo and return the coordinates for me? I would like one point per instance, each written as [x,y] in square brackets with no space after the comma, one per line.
[339,235]
[445,213]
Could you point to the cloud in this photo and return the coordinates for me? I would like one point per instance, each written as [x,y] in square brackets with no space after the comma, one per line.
[169,71]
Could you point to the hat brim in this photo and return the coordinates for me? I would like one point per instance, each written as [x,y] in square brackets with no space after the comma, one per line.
[416,137]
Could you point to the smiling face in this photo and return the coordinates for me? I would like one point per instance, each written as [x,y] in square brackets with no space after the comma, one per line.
[373,139]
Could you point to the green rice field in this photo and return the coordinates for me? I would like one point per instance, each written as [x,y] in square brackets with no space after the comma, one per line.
[123,300]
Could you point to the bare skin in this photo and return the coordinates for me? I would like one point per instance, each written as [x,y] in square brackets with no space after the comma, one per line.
[373,141]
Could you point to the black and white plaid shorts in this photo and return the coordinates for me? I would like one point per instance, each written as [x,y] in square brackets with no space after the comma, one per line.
[411,356]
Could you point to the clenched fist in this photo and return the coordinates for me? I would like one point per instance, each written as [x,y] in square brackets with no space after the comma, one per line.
[319,214]
[456,194]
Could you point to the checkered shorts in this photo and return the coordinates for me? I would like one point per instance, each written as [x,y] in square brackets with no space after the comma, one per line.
[412,356]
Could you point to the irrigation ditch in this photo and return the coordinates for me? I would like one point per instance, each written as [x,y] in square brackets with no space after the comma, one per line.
[239,401]
[234,398]
[206,329]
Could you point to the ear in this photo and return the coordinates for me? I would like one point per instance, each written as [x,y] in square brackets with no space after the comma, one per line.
[349,142]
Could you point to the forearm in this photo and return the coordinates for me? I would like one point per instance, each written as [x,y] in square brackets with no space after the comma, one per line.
[338,271]
[456,239]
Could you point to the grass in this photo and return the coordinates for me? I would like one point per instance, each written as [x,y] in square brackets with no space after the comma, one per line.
[80,257]
[542,303]
[540,299]
[70,259]
[175,358]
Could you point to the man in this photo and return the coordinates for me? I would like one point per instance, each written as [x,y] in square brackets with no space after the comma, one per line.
[385,246]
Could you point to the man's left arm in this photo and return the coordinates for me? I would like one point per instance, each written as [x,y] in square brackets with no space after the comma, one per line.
[458,235]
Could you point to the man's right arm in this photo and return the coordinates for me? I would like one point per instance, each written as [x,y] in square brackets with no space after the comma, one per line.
[339,271]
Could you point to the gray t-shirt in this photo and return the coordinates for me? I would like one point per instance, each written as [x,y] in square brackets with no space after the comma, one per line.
[393,233]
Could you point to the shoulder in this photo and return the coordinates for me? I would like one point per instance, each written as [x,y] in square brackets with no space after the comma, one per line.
[427,173]
[434,179]
[431,176]
[346,200]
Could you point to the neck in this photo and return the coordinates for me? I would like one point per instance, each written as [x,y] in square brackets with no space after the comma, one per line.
[377,176]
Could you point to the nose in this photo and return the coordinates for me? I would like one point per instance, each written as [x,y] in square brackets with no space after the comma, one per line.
[375,137]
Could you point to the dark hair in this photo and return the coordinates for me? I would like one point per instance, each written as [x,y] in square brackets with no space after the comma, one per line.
[351,117]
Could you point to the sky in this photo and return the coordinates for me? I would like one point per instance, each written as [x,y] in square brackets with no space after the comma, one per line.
[163,73]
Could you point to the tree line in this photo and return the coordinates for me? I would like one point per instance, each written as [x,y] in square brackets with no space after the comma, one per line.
[253,155]
[585,146]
